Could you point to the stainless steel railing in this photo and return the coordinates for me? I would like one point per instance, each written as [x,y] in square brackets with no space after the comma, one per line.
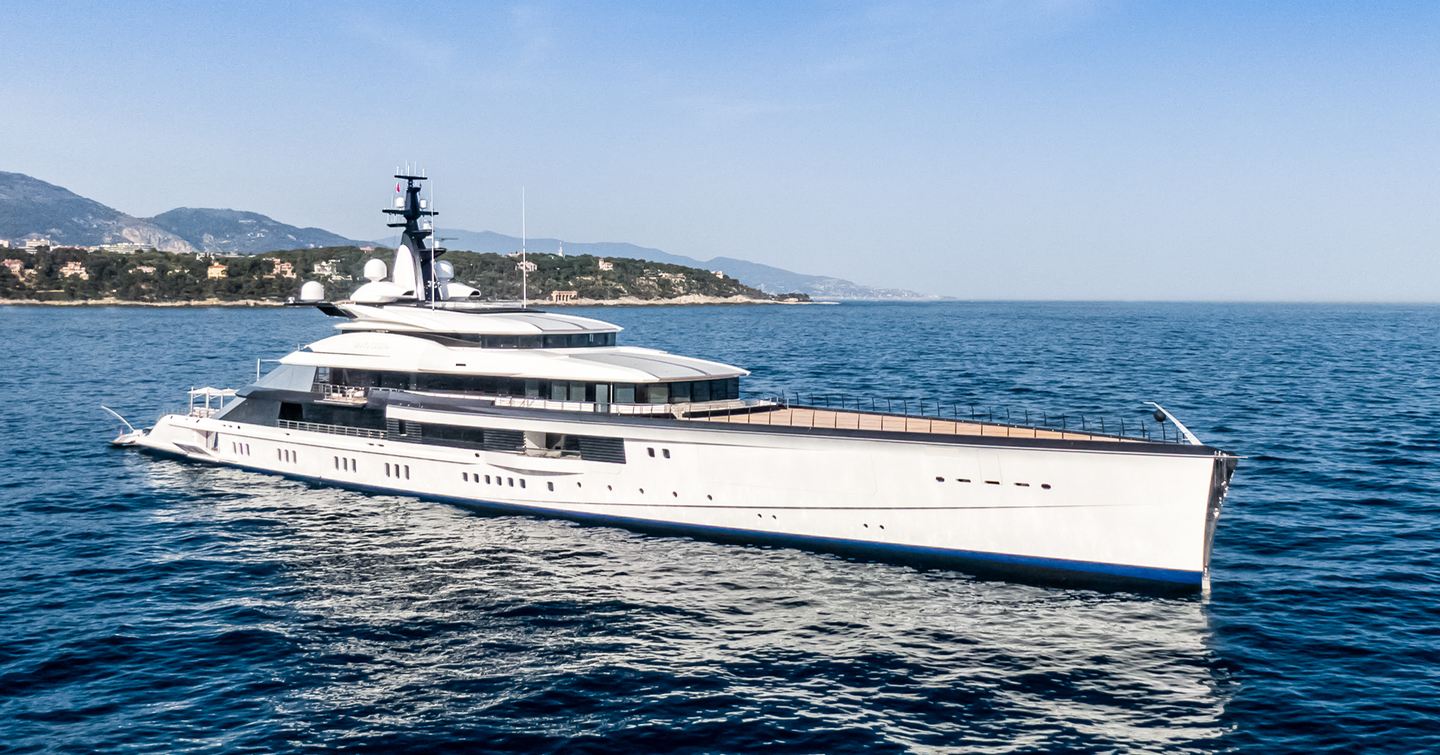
[316,427]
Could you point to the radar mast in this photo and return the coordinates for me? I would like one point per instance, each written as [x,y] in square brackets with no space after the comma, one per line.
[414,260]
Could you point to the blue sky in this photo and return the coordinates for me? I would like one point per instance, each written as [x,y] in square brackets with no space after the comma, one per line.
[1043,149]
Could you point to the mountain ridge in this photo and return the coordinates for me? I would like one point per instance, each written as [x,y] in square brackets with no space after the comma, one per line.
[32,208]
[228,231]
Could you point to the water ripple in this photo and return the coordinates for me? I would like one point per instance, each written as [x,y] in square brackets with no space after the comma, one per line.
[153,606]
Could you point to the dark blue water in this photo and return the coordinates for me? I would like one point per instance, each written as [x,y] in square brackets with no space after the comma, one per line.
[157,606]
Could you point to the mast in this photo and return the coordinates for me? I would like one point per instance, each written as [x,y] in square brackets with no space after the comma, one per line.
[413,236]
[524,268]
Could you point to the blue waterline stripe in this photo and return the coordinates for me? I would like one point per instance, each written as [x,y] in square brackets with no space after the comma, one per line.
[1121,571]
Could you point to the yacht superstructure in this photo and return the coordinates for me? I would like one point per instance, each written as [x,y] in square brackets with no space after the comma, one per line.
[427,392]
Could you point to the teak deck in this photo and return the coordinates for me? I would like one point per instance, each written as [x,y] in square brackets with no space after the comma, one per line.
[832,419]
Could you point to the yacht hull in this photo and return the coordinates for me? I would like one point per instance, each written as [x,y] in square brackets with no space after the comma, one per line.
[1077,514]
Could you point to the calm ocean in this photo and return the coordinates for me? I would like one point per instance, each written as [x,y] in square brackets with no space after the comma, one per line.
[155,606]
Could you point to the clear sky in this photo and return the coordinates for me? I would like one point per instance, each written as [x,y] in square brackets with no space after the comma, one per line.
[1029,149]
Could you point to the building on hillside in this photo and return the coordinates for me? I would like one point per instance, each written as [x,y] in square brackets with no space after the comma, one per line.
[75,269]
[718,273]
[124,247]
[527,266]
[4,243]
[325,269]
[16,268]
[145,269]
[280,269]
[37,243]
[559,296]
[606,264]
[216,270]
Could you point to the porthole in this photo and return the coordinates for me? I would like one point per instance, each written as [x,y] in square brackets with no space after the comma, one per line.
[522,482]
[465,476]
[487,479]
[709,497]
[866,526]
[1044,486]
[650,451]
[939,479]
[962,479]
[674,494]
[609,487]
[510,481]
[642,491]
[992,482]
[550,486]
[1022,484]
[665,452]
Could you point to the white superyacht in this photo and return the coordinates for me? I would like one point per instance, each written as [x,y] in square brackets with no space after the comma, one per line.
[426,391]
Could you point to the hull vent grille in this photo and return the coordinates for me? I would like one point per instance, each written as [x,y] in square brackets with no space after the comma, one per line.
[602,449]
[504,440]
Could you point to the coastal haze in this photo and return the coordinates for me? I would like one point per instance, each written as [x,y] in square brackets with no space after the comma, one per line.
[1071,150]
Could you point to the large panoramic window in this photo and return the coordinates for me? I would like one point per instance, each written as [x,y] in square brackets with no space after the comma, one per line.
[560,341]
[554,390]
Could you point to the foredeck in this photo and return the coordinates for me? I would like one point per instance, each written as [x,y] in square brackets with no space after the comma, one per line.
[839,419]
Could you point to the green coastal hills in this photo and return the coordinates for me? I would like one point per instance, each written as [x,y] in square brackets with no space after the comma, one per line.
[150,276]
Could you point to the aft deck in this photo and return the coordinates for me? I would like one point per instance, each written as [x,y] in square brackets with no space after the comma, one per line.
[843,419]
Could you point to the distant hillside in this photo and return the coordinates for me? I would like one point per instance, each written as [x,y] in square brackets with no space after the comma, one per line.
[238,232]
[62,274]
[31,207]
[769,279]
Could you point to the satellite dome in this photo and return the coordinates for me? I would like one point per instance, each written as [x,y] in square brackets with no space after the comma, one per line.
[375,270]
[312,291]
[445,270]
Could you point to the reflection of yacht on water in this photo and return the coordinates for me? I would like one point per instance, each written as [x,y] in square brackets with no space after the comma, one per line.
[429,392]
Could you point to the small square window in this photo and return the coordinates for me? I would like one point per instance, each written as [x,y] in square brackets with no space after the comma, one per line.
[651,451]
[666,452]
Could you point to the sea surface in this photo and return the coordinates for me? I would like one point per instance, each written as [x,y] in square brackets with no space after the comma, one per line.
[158,606]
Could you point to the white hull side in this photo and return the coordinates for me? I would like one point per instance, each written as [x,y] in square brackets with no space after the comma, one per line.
[1107,513]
